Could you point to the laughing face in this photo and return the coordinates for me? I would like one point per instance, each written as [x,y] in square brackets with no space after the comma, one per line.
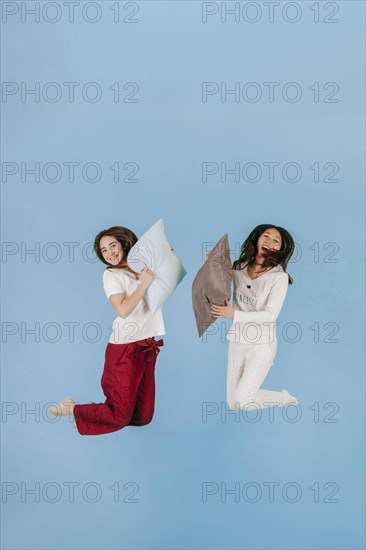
[111,249]
[269,241]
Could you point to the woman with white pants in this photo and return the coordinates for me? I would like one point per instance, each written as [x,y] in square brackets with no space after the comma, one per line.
[260,287]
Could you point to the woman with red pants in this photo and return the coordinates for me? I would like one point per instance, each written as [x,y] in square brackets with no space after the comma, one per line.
[128,379]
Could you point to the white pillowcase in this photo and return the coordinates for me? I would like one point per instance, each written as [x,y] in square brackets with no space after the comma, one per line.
[152,250]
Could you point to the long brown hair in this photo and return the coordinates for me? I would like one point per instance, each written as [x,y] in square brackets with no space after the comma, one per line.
[124,236]
[281,257]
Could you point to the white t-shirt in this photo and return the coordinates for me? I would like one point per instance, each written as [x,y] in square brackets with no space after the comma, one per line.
[257,307]
[140,323]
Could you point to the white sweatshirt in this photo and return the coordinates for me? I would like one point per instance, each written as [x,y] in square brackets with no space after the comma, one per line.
[257,303]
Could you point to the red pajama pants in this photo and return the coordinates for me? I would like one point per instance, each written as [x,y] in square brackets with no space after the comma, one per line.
[128,382]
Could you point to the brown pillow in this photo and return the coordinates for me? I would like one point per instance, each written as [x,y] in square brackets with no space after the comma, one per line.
[212,284]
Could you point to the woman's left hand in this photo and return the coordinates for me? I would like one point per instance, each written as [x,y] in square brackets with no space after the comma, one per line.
[223,311]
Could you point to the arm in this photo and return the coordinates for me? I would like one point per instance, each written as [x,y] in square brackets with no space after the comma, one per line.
[274,305]
[122,305]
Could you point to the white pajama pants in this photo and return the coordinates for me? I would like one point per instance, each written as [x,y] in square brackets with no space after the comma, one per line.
[248,366]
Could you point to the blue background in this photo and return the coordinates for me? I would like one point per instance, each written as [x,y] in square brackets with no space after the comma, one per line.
[169,133]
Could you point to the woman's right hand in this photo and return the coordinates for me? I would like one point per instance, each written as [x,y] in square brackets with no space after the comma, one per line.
[146,277]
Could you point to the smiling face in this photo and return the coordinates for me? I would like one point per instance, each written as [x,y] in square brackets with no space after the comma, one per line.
[111,250]
[268,241]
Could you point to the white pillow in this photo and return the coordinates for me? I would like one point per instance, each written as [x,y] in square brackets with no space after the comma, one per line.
[152,250]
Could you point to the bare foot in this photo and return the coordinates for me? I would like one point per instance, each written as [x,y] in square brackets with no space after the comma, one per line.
[291,399]
[64,408]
